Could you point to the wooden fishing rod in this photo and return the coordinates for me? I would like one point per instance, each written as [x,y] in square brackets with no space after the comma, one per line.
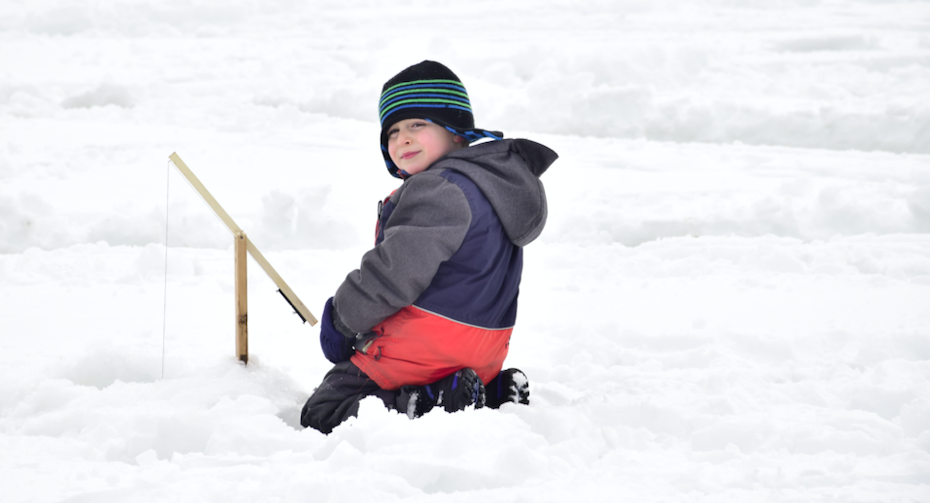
[241,246]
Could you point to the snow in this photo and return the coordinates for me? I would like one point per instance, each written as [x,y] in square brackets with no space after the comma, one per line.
[729,302]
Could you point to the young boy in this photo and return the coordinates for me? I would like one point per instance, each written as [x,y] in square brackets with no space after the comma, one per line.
[426,319]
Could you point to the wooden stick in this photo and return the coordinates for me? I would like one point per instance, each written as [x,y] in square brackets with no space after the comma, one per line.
[242,299]
[195,182]
[278,280]
[231,225]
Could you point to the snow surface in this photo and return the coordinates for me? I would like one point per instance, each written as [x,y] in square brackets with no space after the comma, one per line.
[730,301]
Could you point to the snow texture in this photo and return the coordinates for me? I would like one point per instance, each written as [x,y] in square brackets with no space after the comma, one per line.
[729,303]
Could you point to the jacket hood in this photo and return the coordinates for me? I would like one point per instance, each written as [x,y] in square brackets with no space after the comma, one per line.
[507,172]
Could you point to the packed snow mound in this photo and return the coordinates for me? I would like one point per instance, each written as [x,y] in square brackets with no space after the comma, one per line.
[100,96]
[285,221]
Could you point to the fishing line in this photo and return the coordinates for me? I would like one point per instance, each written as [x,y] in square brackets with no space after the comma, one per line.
[164,315]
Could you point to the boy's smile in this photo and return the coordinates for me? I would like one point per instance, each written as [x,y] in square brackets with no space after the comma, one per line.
[415,144]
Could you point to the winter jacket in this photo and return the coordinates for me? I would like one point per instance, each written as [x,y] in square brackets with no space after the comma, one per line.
[438,292]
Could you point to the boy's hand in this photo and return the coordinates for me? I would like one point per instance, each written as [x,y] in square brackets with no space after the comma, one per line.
[336,346]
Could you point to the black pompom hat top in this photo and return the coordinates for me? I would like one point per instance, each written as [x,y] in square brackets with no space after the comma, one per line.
[430,91]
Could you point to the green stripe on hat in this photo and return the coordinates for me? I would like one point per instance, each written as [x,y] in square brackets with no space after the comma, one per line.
[430,81]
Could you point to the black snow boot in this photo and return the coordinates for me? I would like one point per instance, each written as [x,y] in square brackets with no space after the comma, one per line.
[415,400]
[454,392]
[459,390]
[510,385]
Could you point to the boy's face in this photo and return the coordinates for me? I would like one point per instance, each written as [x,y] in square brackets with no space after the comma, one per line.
[415,144]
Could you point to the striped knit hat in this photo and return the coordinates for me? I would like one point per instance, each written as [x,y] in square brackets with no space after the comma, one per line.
[430,91]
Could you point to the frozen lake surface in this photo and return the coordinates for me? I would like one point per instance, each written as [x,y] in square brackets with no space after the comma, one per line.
[729,302]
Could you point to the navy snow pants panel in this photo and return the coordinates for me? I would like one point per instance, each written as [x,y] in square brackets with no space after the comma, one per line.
[337,397]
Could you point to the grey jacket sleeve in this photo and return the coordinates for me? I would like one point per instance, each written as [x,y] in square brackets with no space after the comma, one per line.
[430,219]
